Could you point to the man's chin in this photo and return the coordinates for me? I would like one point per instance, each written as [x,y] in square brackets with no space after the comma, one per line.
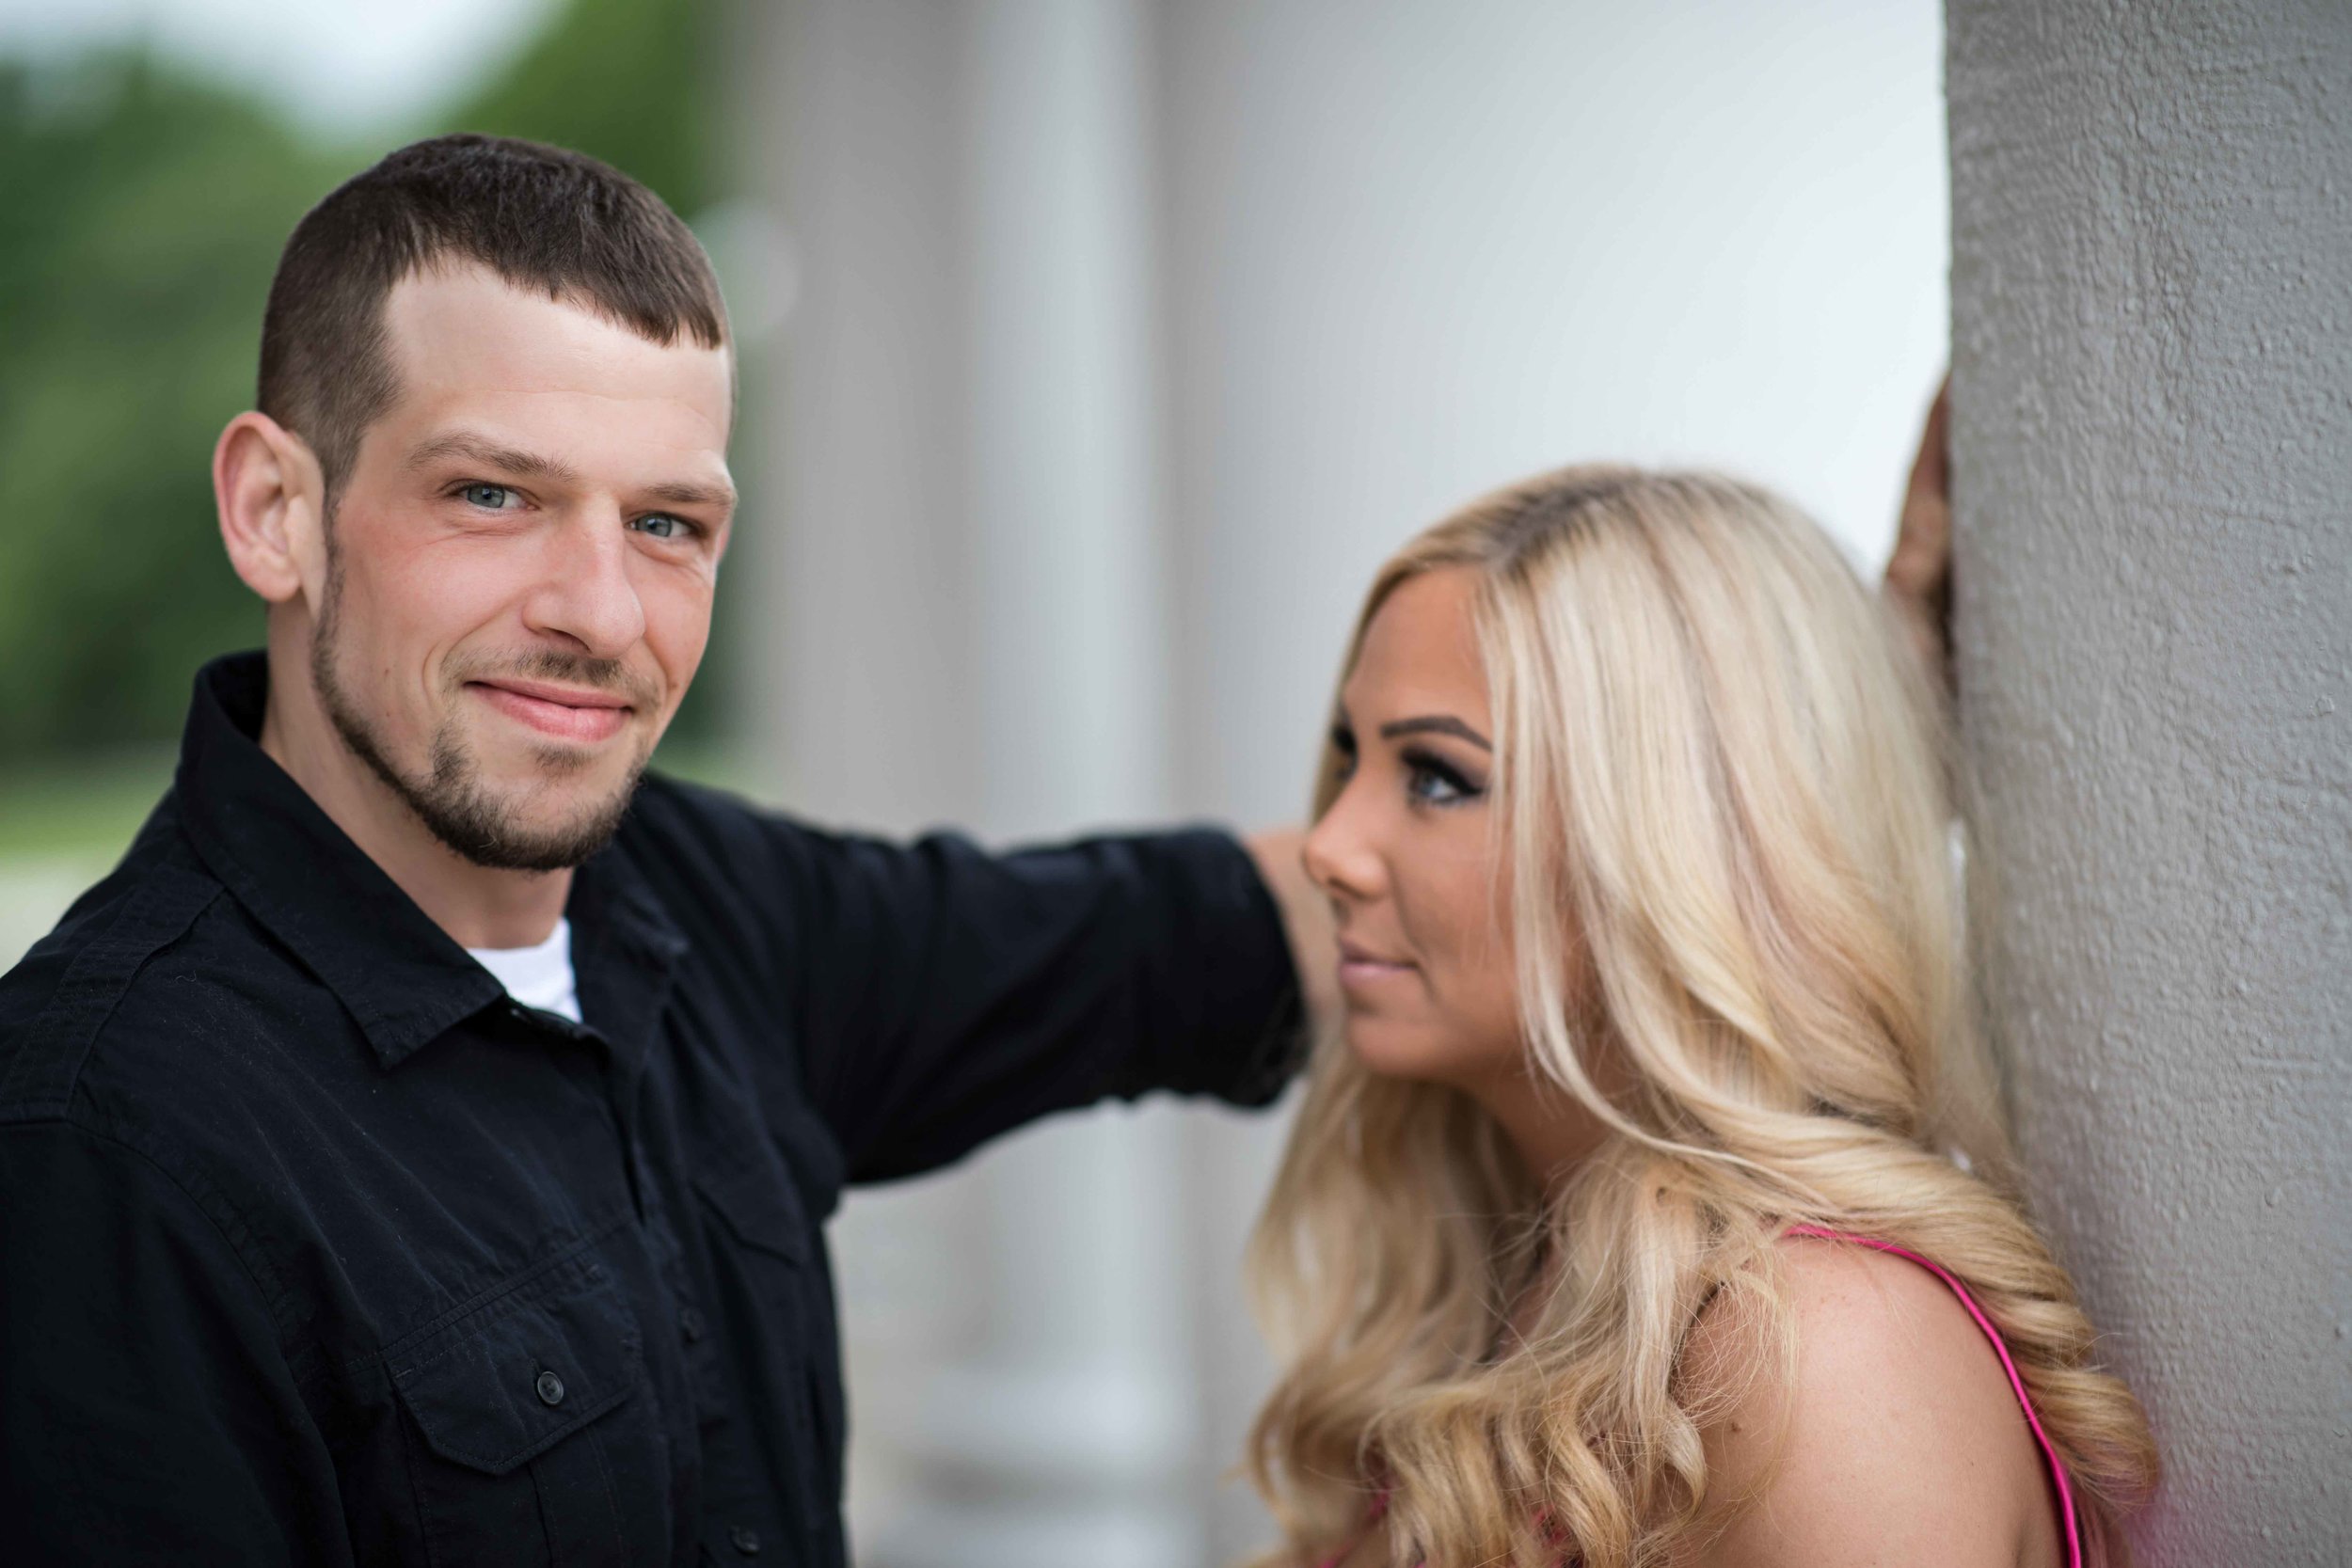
[539,781]
[527,840]
[548,810]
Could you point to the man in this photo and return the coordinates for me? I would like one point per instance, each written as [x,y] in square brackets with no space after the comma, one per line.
[415,1152]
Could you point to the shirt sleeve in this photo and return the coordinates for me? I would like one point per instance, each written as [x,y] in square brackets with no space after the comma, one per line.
[948,994]
[147,1414]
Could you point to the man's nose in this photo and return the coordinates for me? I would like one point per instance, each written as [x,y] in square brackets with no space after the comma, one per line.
[588,594]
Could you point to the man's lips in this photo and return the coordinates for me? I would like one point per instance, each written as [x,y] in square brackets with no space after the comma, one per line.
[563,712]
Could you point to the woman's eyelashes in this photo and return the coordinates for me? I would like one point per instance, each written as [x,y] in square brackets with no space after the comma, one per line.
[1432,781]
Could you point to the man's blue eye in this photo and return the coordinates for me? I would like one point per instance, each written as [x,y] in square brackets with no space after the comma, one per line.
[490,498]
[662,526]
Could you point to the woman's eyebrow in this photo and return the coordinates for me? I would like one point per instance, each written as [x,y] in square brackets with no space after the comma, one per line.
[1436,723]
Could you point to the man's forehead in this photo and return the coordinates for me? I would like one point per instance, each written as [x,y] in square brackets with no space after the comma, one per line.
[459,330]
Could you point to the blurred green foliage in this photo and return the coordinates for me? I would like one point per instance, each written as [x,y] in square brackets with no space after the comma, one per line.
[141,212]
[140,215]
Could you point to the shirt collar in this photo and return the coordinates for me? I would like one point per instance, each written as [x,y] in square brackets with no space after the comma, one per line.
[402,978]
[625,950]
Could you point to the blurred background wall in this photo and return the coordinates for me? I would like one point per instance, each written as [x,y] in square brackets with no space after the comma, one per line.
[1096,353]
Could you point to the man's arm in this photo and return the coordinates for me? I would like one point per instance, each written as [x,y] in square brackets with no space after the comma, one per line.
[946,995]
[1306,920]
[145,1412]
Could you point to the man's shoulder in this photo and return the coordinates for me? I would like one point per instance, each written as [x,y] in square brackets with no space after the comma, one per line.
[697,844]
[158,1040]
[71,983]
[695,841]
[145,991]
[667,807]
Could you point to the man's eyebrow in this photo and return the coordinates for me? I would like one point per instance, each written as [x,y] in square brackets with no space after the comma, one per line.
[506,460]
[678,492]
[1435,724]
[526,464]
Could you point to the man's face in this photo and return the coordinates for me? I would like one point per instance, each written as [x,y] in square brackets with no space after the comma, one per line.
[521,564]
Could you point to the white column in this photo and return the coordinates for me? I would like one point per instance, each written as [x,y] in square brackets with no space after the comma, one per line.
[861,695]
[1059,185]
[970,628]
[2153,441]
[1077,1406]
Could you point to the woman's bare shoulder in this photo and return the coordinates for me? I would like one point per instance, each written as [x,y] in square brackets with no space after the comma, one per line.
[1899,1440]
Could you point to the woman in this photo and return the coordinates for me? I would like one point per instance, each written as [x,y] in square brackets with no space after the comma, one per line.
[1652,1207]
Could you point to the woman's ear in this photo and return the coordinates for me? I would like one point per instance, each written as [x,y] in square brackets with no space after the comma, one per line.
[271,497]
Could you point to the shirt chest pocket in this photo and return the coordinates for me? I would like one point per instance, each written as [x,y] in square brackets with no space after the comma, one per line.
[532,1437]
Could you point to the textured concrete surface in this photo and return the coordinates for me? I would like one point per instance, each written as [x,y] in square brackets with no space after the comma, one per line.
[2153,344]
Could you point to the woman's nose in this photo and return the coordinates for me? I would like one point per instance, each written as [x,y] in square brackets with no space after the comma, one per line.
[1340,856]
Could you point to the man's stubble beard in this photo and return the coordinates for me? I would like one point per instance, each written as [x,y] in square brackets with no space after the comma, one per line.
[451,800]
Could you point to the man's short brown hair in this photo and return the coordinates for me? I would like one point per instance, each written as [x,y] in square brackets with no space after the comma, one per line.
[540,218]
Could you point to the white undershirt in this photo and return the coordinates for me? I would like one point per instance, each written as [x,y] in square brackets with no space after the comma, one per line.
[539,976]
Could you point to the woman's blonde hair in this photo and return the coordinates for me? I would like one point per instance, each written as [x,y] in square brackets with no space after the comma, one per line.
[1722,783]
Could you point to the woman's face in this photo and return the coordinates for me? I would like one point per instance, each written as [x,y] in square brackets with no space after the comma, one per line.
[1404,853]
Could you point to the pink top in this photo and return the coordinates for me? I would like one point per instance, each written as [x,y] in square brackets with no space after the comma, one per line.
[2016,1383]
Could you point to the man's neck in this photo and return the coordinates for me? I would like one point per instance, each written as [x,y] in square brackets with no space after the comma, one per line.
[478,906]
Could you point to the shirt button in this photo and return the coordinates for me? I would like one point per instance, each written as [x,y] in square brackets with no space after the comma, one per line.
[551,1388]
[690,1323]
[746,1539]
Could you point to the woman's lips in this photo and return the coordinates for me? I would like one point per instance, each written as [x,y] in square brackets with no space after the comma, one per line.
[1359,969]
[583,716]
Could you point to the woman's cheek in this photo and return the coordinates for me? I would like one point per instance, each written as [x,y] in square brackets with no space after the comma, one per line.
[1486,997]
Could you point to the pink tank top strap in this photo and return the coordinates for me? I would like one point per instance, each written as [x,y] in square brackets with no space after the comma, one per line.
[2016,1383]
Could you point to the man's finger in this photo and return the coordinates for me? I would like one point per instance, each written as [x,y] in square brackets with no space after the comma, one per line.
[1922,553]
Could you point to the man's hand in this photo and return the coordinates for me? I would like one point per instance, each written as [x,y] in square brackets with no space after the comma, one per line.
[1919,573]
[1305,919]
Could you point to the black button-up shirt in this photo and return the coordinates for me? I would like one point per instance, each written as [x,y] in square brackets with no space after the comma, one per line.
[315,1247]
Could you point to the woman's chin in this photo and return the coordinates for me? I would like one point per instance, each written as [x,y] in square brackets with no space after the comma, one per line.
[1387,1050]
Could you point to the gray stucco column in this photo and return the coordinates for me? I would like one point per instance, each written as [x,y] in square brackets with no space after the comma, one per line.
[2152,302]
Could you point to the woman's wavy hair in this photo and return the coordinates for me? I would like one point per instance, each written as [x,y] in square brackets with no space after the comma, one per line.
[1722,782]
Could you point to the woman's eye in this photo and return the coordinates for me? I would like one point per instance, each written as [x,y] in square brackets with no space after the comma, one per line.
[490,498]
[661,525]
[1432,782]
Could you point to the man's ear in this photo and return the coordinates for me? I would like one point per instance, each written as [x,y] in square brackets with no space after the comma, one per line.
[272,500]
